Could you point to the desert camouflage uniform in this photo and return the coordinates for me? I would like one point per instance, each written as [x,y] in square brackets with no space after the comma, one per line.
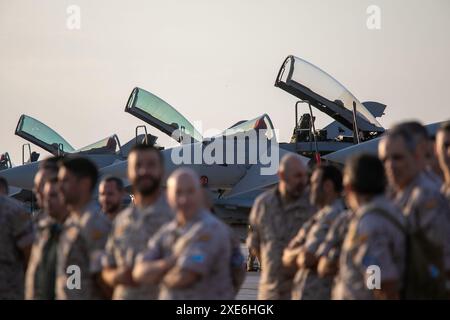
[307,284]
[82,243]
[425,207]
[203,246]
[132,229]
[41,272]
[16,232]
[273,224]
[372,240]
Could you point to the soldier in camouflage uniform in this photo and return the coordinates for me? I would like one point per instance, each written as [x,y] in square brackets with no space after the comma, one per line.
[275,219]
[326,188]
[372,260]
[330,249]
[135,225]
[47,169]
[187,257]
[16,238]
[41,272]
[84,233]
[443,155]
[419,198]
[110,196]
[425,157]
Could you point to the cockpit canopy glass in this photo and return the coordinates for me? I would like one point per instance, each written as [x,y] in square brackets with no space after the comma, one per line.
[40,134]
[309,82]
[158,113]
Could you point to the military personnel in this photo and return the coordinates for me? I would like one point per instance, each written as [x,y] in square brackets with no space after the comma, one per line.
[326,189]
[330,249]
[46,170]
[374,247]
[275,219]
[425,146]
[41,273]
[443,155]
[187,256]
[84,233]
[4,189]
[110,195]
[135,225]
[16,238]
[420,199]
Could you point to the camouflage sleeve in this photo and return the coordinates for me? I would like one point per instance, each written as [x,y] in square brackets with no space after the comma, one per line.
[154,248]
[108,258]
[332,243]
[318,232]
[375,248]
[22,227]
[254,239]
[96,234]
[300,237]
[431,212]
[198,254]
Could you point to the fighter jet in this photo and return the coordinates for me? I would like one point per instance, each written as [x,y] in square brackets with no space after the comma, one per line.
[235,174]
[103,152]
[354,122]
[370,147]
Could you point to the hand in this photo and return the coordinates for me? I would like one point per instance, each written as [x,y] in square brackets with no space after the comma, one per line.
[306,259]
[124,277]
[170,262]
[326,267]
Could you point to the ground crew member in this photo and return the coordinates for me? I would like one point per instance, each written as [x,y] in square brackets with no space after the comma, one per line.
[135,225]
[372,260]
[41,273]
[275,219]
[84,233]
[326,189]
[187,256]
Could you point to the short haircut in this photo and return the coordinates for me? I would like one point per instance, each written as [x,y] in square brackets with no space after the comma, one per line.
[81,168]
[52,180]
[366,174]
[142,147]
[444,127]
[50,163]
[116,180]
[412,133]
[331,173]
[4,184]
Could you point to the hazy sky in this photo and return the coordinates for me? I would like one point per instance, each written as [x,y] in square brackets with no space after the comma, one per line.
[214,60]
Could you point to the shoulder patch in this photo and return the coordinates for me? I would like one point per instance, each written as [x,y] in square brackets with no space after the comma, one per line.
[431,204]
[97,234]
[204,237]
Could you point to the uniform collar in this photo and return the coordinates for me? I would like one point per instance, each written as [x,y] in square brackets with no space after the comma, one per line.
[377,202]
[302,201]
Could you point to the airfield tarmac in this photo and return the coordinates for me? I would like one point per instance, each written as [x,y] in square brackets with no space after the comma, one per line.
[249,289]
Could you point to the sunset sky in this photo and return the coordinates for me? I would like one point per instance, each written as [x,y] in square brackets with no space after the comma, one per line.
[214,60]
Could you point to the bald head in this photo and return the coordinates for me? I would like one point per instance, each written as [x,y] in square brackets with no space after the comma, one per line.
[184,192]
[293,176]
[290,163]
